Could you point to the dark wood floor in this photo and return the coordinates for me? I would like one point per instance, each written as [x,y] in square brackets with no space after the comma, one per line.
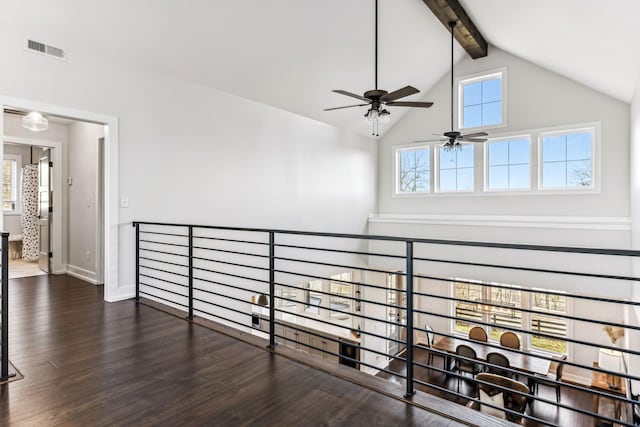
[89,363]
[543,411]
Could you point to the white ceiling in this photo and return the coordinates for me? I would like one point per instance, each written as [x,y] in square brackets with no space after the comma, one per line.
[291,53]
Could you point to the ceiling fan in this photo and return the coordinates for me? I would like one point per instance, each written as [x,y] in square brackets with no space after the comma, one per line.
[453,138]
[377,99]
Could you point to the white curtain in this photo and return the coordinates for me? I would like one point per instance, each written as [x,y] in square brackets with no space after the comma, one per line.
[29,218]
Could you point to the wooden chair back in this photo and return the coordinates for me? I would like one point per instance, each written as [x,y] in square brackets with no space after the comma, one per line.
[510,339]
[478,333]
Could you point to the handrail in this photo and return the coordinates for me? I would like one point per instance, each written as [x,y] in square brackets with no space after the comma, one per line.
[229,272]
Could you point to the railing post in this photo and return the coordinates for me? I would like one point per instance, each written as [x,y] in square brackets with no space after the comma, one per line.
[409,339]
[4,370]
[137,226]
[272,292]
[190,272]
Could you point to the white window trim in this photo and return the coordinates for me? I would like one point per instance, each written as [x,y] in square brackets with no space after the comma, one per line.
[485,150]
[473,78]
[396,169]
[436,167]
[18,159]
[594,129]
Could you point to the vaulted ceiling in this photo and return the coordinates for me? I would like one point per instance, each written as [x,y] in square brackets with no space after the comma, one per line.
[291,53]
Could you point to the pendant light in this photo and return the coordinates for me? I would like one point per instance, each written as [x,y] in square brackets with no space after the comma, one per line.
[35,122]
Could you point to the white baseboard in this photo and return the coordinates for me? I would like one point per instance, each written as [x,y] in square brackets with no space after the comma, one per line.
[120,294]
[82,274]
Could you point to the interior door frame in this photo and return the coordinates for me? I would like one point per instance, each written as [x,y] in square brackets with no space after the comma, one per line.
[55,244]
[112,290]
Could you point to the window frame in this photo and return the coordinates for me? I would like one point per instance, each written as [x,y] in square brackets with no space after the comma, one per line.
[396,168]
[16,181]
[526,317]
[530,190]
[475,78]
[436,172]
[594,130]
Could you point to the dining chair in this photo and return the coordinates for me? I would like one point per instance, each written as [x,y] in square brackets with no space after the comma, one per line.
[478,333]
[499,359]
[554,374]
[464,365]
[425,338]
[509,339]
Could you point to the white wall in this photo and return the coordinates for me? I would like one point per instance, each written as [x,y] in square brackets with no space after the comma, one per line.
[536,98]
[189,153]
[82,200]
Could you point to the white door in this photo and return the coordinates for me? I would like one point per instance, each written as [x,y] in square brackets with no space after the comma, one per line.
[45,214]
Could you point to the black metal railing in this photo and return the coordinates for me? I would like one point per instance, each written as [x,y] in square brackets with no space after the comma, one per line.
[4,307]
[388,305]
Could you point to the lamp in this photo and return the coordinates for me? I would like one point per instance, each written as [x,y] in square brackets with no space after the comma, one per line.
[611,360]
[263,300]
[35,122]
[377,116]
[384,116]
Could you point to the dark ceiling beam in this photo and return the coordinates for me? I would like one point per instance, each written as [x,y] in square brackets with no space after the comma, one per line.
[465,32]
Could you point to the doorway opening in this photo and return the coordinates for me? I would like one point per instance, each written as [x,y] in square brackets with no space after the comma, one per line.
[79,244]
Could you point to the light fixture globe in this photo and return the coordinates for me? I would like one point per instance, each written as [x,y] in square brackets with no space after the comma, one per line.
[372,114]
[384,116]
[35,122]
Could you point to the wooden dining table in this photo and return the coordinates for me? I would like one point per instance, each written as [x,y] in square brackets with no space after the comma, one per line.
[528,363]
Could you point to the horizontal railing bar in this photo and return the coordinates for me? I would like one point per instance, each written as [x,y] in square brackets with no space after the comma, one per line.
[231,252]
[252,291]
[163,299]
[221,306]
[235,264]
[240,300]
[163,252]
[163,280]
[493,245]
[163,290]
[361,300]
[163,243]
[230,274]
[334,324]
[327,264]
[163,262]
[540,291]
[312,276]
[537,270]
[230,240]
[528,310]
[164,234]
[343,251]
[219,317]
[164,271]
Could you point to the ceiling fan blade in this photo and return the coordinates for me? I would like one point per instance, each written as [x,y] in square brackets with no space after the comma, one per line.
[353,95]
[346,106]
[431,140]
[410,104]
[473,135]
[471,139]
[400,93]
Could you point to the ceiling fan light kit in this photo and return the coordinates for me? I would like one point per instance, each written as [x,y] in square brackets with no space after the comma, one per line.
[377,99]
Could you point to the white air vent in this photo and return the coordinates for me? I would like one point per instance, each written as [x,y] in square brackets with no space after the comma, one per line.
[45,49]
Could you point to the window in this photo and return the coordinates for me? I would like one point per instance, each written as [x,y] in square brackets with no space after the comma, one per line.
[414,170]
[476,308]
[339,290]
[567,159]
[314,299]
[290,295]
[544,321]
[455,169]
[508,164]
[10,193]
[481,101]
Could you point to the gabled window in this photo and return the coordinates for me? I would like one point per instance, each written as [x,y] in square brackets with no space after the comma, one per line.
[455,169]
[481,102]
[508,164]
[413,168]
